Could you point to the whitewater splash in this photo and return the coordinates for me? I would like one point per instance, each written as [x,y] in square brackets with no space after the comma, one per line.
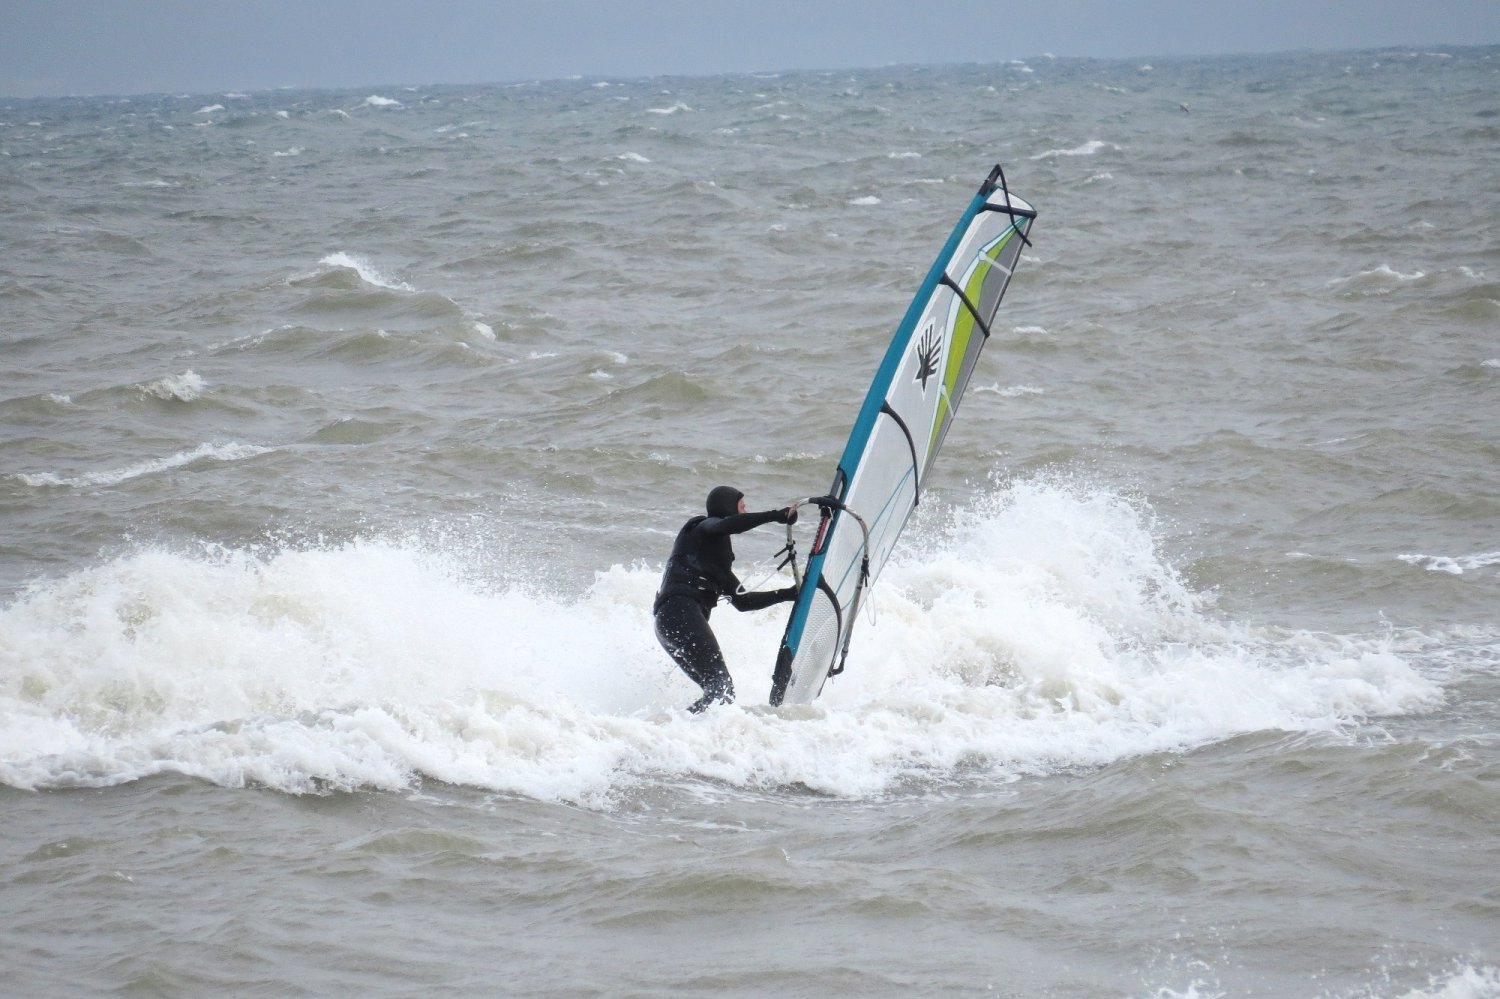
[1464,982]
[1037,630]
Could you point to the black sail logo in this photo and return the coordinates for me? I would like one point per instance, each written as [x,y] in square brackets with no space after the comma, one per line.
[928,349]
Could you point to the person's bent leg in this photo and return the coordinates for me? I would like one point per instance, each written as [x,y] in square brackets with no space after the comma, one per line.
[683,631]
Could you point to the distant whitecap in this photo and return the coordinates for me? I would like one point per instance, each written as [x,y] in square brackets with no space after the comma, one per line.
[1089,148]
[1011,391]
[366,271]
[185,387]
[1455,565]
[1381,280]
[115,476]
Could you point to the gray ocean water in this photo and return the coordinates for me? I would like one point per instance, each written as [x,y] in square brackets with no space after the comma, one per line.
[343,434]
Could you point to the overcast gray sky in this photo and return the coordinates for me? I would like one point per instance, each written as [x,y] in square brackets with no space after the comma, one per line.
[56,47]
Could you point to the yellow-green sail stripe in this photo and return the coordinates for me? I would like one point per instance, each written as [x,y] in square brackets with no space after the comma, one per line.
[963,330]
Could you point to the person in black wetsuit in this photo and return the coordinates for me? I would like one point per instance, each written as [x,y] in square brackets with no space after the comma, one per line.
[698,573]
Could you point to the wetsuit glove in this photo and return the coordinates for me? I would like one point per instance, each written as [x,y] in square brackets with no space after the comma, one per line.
[790,593]
[787,515]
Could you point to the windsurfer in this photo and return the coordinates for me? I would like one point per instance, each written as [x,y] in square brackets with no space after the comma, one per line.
[698,573]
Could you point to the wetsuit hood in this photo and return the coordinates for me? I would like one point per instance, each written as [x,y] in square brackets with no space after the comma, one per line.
[724,501]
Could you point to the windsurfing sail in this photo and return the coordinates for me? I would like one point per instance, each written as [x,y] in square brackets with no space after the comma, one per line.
[898,434]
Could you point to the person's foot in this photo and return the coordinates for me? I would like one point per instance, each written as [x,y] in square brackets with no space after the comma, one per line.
[714,696]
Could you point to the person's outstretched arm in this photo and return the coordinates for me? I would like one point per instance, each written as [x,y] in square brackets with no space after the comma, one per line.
[739,523]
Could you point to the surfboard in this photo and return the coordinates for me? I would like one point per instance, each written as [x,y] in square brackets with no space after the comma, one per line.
[897,436]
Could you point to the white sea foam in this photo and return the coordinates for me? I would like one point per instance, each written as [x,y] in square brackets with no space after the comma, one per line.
[1191,991]
[868,199]
[632,158]
[210,109]
[673,109]
[376,101]
[185,387]
[1455,564]
[1038,630]
[115,476]
[1467,982]
[293,151]
[366,271]
[1089,148]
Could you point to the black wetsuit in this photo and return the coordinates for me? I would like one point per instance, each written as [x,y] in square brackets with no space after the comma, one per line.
[698,573]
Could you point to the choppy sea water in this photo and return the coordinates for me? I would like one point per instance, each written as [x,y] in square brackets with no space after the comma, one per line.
[344,433]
